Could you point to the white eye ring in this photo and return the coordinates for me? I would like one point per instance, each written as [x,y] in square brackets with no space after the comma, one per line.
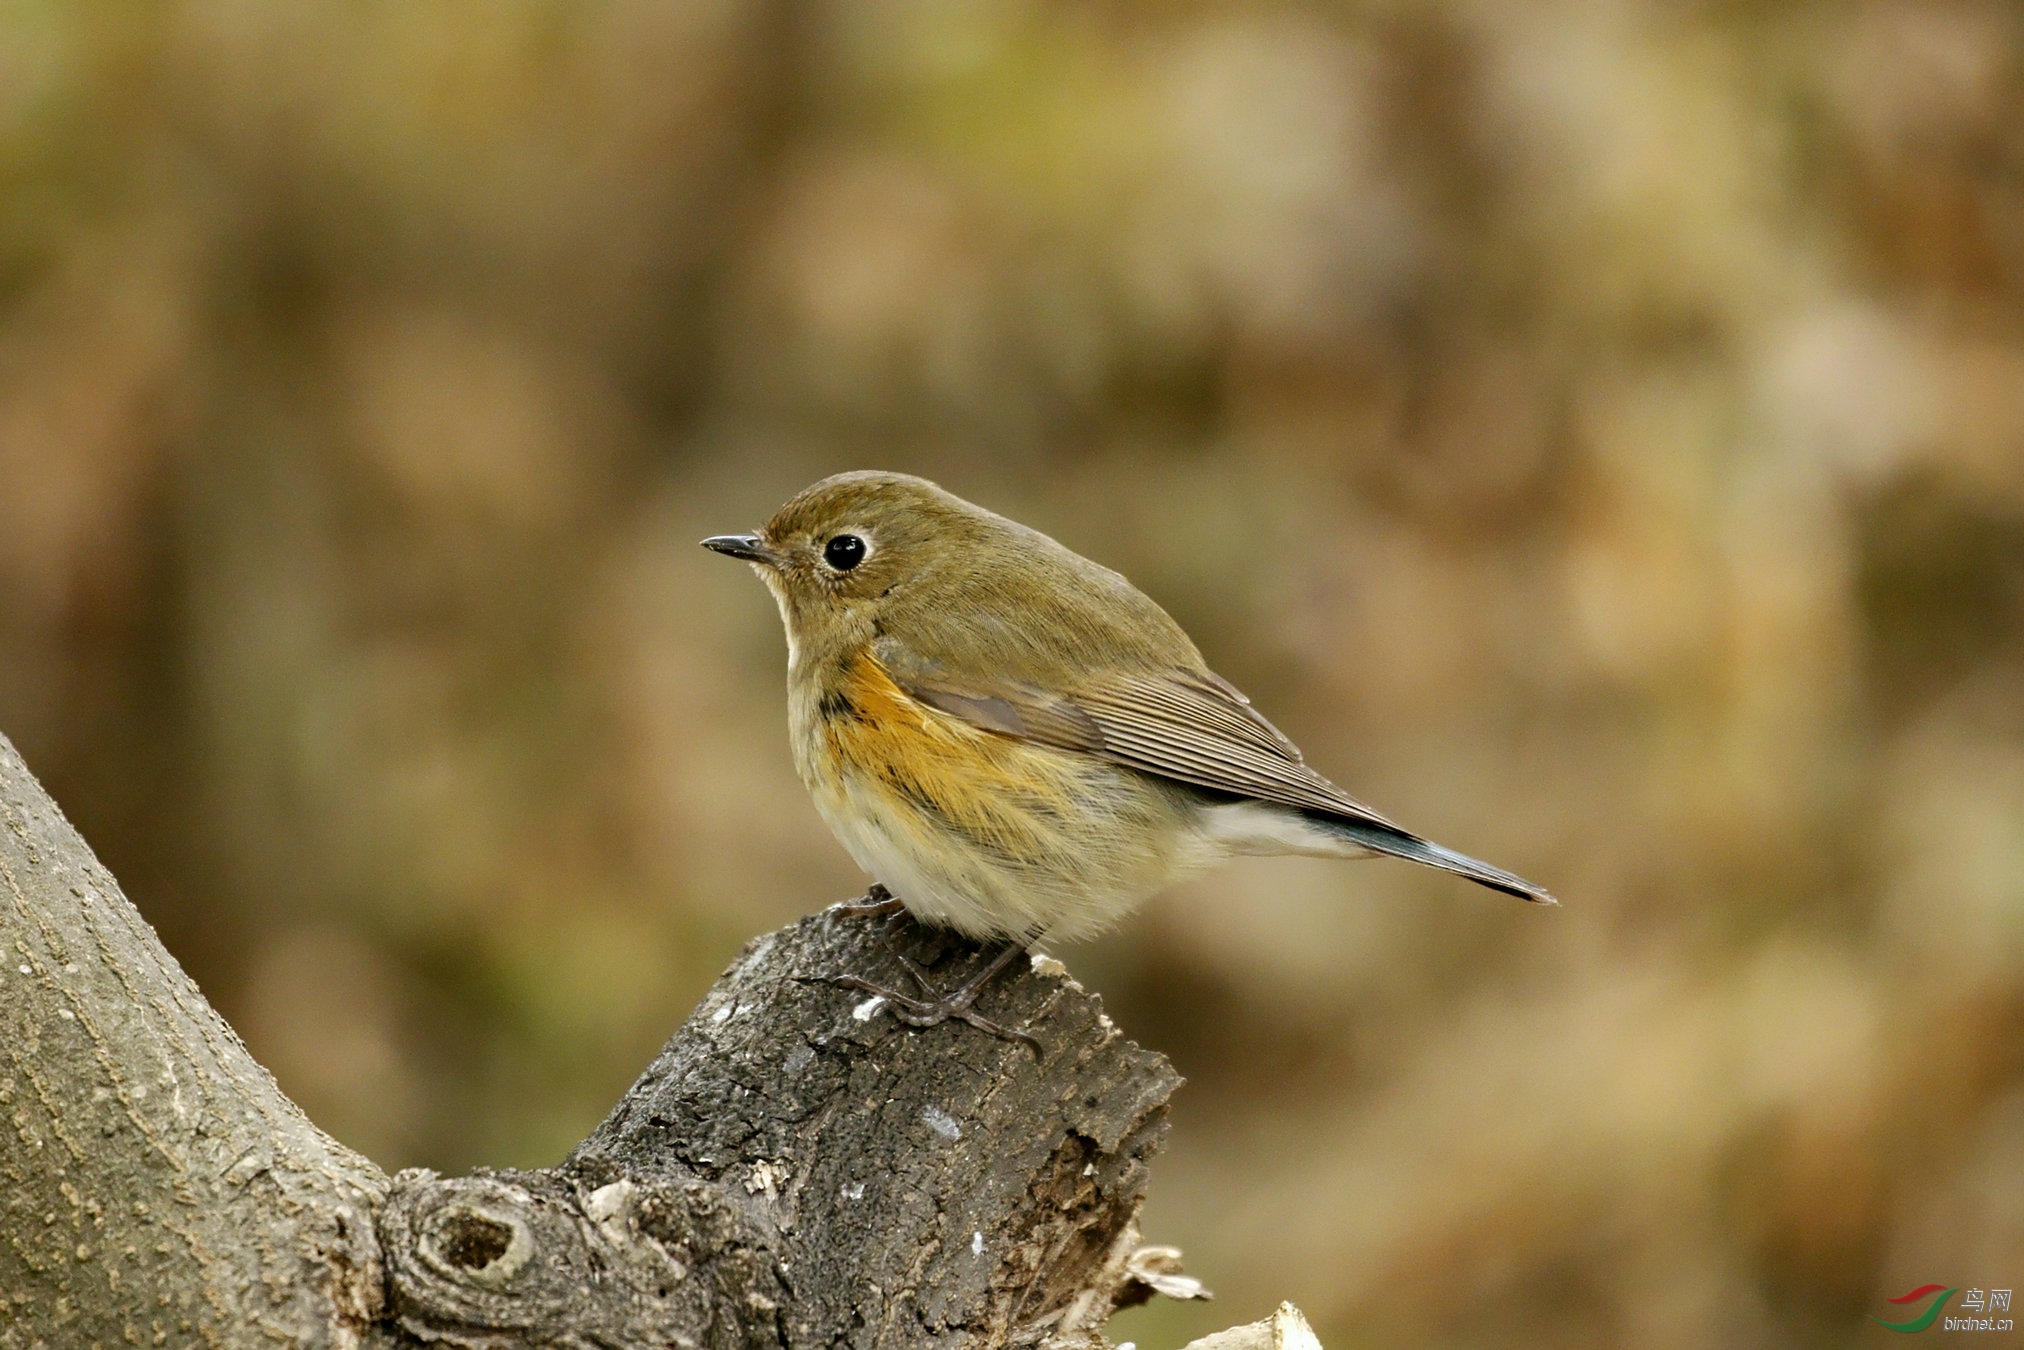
[845,550]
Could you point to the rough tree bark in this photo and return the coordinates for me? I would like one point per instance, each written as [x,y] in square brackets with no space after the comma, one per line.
[790,1171]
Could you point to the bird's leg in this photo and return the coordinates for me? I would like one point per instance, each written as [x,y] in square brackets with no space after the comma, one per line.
[877,903]
[929,1011]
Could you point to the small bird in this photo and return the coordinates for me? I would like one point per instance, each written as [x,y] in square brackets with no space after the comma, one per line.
[1014,741]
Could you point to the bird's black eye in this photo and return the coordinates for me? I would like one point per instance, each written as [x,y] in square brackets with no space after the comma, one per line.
[843,552]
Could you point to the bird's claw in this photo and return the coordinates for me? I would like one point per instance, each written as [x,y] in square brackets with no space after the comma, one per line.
[937,1008]
[928,1012]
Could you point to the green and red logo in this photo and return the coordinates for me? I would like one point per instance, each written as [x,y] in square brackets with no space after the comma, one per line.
[1979,1309]
[1926,1318]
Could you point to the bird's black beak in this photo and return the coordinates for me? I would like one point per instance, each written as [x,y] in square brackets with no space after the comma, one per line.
[750,547]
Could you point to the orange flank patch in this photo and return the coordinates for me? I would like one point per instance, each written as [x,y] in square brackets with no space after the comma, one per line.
[1020,801]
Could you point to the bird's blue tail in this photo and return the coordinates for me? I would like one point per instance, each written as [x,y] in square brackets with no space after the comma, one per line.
[1389,839]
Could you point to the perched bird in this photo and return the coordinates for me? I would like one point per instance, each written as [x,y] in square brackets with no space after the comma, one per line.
[1016,742]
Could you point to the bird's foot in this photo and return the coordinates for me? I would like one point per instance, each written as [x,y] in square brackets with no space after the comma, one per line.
[877,903]
[933,1009]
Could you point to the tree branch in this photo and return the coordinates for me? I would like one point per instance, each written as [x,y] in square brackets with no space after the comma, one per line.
[795,1169]
[158,1185]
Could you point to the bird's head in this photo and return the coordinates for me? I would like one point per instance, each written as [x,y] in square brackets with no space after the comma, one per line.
[846,552]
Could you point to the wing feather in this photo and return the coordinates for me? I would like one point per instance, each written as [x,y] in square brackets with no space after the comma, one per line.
[1191,726]
[1188,725]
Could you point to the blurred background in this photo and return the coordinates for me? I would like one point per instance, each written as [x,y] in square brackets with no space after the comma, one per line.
[1594,431]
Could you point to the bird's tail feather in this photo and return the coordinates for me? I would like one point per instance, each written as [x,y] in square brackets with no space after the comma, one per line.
[1398,843]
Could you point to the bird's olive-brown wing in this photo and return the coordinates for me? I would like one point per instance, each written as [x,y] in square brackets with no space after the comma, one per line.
[1189,725]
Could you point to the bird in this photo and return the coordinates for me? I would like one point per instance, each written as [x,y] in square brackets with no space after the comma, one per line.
[1014,741]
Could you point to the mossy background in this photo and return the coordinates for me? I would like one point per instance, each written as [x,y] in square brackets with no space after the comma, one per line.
[1594,431]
